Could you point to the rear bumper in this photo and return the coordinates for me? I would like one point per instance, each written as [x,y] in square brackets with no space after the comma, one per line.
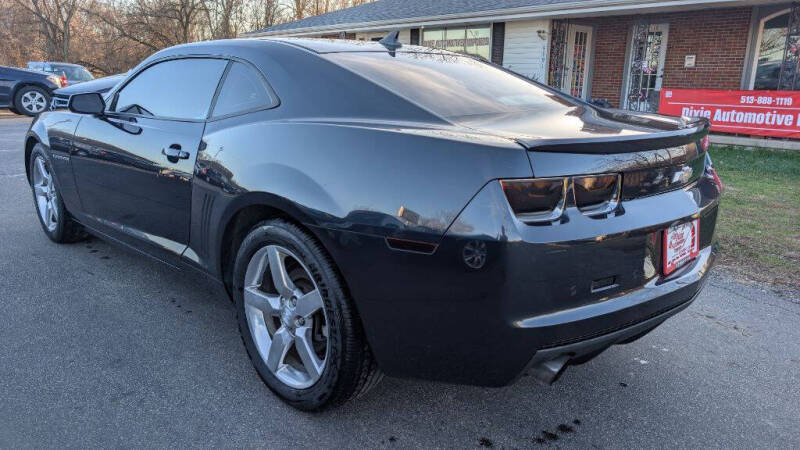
[549,363]
[534,296]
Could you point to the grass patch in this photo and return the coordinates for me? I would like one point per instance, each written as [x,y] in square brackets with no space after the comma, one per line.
[759,222]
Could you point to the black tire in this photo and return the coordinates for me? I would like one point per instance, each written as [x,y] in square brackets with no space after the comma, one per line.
[14,110]
[351,369]
[66,230]
[18,104]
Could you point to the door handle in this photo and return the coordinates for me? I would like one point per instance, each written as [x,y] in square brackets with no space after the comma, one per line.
[174,153]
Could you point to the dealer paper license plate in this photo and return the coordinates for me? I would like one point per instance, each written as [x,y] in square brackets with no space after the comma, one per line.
[681,245]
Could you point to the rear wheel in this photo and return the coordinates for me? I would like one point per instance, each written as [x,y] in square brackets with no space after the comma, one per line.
[56,222]
[300,329]
[31,100]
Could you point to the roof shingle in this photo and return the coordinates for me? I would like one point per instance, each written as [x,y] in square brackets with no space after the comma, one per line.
[389,10]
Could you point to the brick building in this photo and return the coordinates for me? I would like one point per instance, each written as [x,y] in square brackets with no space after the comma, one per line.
[623,51]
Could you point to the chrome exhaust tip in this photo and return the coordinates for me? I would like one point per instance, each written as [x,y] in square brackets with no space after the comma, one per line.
[547,372]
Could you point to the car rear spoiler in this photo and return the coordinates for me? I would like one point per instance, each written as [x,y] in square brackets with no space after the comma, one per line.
[690,131]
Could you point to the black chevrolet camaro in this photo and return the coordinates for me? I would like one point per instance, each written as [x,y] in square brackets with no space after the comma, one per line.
[374,209]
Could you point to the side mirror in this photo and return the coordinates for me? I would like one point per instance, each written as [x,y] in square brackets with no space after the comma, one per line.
[91,103]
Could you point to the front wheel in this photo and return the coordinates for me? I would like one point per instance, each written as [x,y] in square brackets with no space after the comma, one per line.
[301,330]
[56,222]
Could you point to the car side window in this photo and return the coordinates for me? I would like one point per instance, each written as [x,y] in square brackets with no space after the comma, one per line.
[244,89]
[177,89]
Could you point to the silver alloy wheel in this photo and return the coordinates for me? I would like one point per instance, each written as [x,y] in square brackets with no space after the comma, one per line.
[34,102]
[46,194]
[286,316]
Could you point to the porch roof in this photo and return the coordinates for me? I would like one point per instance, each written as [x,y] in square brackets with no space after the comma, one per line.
[386,14]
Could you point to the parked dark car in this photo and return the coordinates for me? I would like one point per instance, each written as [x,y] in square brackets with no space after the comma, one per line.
[69,73]
[373,209]
[99,85]
[26,91]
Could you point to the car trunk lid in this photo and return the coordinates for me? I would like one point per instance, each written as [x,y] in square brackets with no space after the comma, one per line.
[581,128]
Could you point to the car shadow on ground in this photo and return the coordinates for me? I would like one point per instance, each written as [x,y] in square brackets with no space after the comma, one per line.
[526,413]
[427,413]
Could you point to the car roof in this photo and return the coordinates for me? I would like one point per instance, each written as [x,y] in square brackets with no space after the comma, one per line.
[315,45]
[322,45]
[298,72]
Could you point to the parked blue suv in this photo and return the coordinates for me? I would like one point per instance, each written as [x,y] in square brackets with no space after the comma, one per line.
[26,91]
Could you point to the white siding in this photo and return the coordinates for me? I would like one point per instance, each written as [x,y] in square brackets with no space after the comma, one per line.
[404,37]
[524,51]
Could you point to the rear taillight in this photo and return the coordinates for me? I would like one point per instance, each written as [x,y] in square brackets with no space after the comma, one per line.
[540,199]
[711,172]
[705,142]
[55,80]
[544,199]
[597,194]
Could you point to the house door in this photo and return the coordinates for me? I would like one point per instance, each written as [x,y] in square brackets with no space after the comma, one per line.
[579,44]
[646,66]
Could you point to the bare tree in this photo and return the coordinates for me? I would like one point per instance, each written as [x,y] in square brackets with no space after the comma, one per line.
[298,8]
[317,7]
[117,34]
[265,13]
[55,18]
[154,24]
[223,18]
[20,39]
[305,8]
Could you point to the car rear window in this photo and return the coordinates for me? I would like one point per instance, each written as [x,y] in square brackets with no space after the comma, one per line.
[73,72]
[448,85]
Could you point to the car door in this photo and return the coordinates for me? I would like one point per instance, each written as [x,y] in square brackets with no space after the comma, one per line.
[133,166]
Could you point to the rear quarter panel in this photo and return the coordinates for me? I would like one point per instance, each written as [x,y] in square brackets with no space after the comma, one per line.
[364,178]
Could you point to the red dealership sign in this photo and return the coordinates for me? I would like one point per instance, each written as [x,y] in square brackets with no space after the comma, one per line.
[764,113]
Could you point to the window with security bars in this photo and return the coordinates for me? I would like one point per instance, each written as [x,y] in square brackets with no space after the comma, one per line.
[779,52]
